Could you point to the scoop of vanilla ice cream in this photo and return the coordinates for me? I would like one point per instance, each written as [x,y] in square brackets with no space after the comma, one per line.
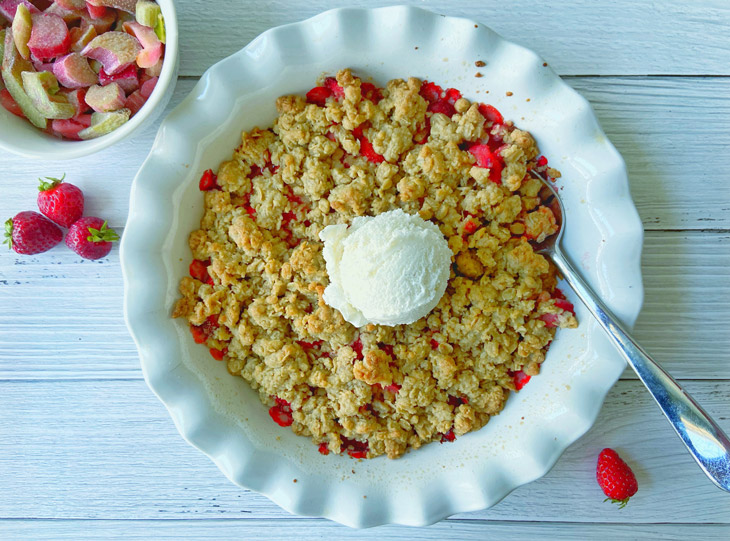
[389,269]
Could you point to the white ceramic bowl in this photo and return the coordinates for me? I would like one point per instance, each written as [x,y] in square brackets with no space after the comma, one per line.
[223,417]
[18,136]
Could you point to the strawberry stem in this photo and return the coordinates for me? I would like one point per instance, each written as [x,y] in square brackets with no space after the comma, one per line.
[9,233]
[103,234]
[53,182]
[621,503]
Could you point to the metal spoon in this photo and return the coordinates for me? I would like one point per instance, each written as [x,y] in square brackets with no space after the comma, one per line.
[704,439]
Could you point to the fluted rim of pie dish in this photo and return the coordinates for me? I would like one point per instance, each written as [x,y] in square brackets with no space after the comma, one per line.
[224,419]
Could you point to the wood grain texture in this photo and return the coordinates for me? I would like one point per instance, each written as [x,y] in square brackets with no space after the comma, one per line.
[78,304]
[671,132]
[311,529]
[575,36]
[107,449]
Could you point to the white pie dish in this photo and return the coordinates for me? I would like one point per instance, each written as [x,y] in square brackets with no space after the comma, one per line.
[223,417]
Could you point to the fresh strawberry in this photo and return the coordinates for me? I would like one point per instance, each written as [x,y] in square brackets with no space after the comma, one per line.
[91,238]
[318,95]
[208,181]
[31,233]
[615,478]
[61,202]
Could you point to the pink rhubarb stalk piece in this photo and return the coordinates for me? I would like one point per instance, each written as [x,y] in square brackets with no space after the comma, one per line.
[104,99]
[22,26]
[125,5]
[101,24]
[128,78]
[7,101]
[72,5]
[135,101]
[148,86]
[151,51]
[115,50]
[41,66]
[70,128]
[81,37]
[8,8]
[69,16]
[73,71]
[77,98]
[156,70]
[95,12]
[49,37]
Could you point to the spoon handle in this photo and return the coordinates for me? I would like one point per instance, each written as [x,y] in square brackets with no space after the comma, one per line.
[704,439]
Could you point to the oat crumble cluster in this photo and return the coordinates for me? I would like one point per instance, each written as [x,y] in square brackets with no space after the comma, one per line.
[351,149]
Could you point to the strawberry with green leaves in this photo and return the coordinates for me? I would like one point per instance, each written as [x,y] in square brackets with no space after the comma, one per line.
[59,201]
[91,238]
[31,233]
[615,478]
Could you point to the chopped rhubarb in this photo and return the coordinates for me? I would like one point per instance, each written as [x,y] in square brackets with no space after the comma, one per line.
[135,102]
[103,123]
[69,16]
[393,388]
[73,71]
[491,113]
[147,13]
[13,66]
[208,181]
[70,128]
[22,28]
[565,305]
[9,7]
[7,101]
[43,90]
[77,98]
[551,320]
[318,95]
[154,71]
[333,86]
[127,79]
[76,5]
[49,37]
[104,99]
[101,24]
[324,448]
[125,5]
[281,413]
[148,87]
[152,48]
[95,12]
[489,160]
[81,37]
[115,50]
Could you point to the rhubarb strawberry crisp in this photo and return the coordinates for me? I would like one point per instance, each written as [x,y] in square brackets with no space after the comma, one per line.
[346,151]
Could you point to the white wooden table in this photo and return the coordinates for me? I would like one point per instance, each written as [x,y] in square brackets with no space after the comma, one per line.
[87,451]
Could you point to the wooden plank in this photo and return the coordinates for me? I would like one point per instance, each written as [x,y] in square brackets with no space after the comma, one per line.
[671,131]
[311,529]
[107,449]
[575,36]
[62,316]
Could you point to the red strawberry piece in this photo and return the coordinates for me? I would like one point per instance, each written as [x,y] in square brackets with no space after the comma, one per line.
[281,413]
[9,7]
[565,305]
[333,86]
[31,233]
[306,346]
[90,238]
[542,161]
[357,347]
[551,320]
[208,181]
[443,107]
[49,37]
[470,226]
[491,113]
[371,92]
[457,401]
[393,388]
[199,270]
[60,201]
[355,448]
[434,344]
[615,478]
[199,334]
[520,379]
[431,92]
[218,354]
[387,348]
[70,128]
[490,159]
[449,436]
[324,448]
[452,95]
[318,95]
[366,147]
[7,101]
